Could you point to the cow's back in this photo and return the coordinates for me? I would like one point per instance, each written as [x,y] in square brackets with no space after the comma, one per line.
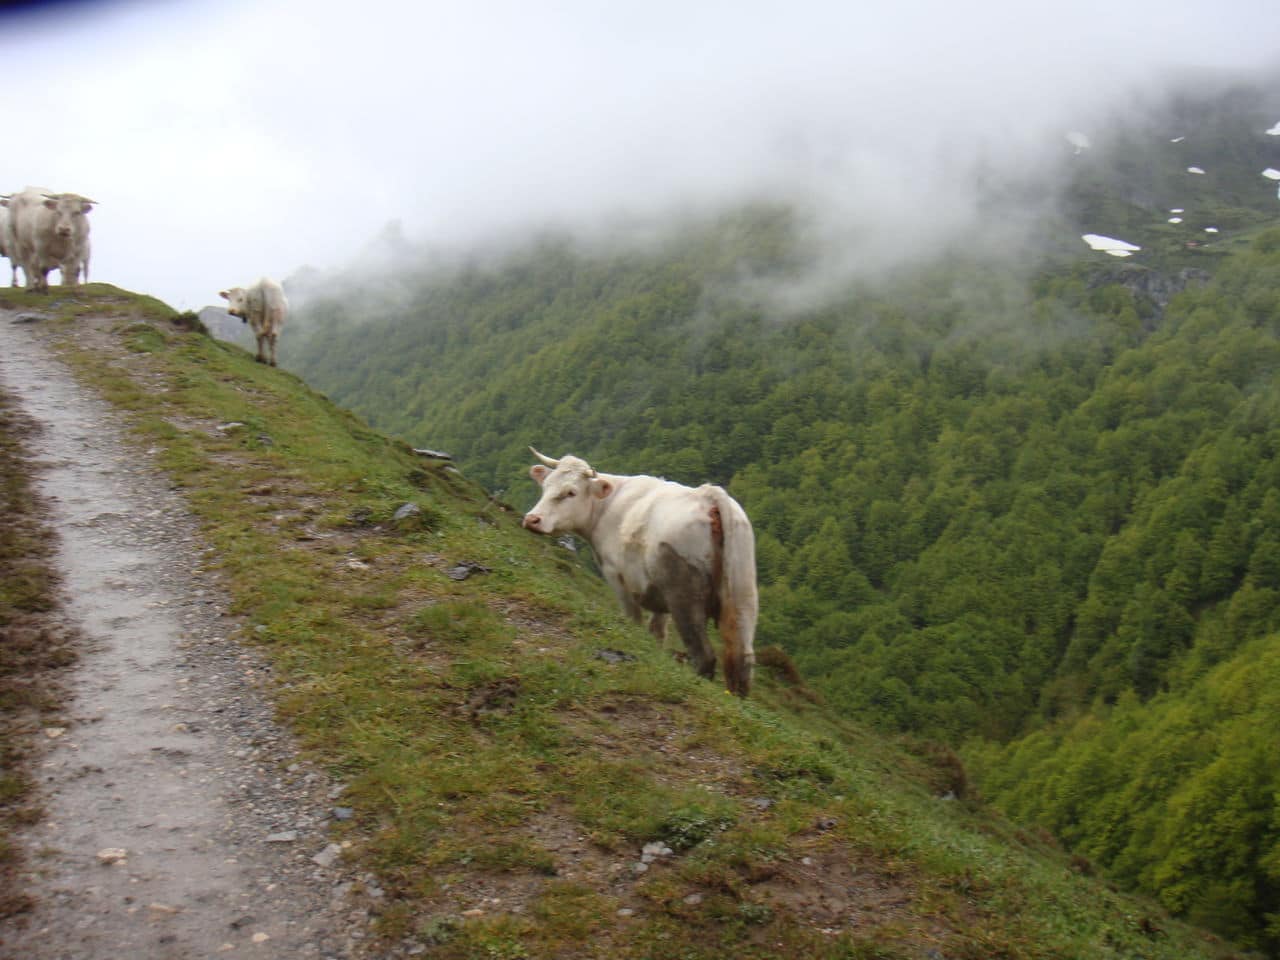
[652,512]
[269,305]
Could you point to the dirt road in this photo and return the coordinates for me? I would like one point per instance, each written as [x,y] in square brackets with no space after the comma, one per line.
[180,823]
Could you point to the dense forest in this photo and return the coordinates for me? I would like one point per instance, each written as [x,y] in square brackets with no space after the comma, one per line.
[1027,505]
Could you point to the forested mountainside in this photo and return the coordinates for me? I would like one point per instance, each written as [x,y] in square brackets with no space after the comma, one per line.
[1024,503]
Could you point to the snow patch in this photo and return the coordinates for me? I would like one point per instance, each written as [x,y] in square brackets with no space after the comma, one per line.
[1177,139]
[1196,170]
[1116,248]
[1275,131]
[1210,229]
[1271,173]
[1175,219]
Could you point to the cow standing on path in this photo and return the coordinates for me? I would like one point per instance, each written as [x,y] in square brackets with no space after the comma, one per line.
[50,230]
[666,548]
[264,307]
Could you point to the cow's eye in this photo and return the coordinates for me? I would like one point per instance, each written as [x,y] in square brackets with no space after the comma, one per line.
[567,494]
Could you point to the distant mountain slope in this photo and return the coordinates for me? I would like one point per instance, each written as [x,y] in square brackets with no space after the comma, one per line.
[998,499]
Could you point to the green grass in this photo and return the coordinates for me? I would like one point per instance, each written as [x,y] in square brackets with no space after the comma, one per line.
[32,649]
[472,719]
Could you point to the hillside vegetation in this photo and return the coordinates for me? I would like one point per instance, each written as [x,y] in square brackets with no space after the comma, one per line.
[511,744]
[1026,506]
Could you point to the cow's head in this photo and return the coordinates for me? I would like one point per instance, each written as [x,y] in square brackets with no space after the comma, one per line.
[570,490]
[67,208]
[237,302]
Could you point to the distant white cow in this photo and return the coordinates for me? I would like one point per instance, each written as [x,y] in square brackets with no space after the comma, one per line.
[665,548]
[7,247]
[50,230]
[262,306]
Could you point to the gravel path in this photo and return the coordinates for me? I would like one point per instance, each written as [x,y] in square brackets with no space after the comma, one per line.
[180,823]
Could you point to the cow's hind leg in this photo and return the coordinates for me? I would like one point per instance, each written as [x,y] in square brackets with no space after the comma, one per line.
[262,355]
[658,626]
[685,590]
[691,623]
[271,339]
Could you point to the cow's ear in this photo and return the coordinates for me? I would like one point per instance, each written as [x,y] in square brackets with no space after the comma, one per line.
[86,207]
[224,295]
[538,472]
[601,488]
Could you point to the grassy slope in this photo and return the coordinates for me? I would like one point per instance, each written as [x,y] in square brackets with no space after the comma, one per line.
[32,648]
[504,778]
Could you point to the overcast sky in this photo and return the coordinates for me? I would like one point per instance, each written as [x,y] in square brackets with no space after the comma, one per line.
[226,140]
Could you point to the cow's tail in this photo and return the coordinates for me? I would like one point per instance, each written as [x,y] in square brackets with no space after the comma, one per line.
[739,601]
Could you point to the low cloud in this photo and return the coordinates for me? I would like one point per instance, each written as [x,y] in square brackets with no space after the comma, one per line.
[225,141]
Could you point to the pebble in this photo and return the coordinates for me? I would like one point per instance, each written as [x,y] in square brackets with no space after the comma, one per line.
[328,856]
[652,851]
[284,836]
[110,855]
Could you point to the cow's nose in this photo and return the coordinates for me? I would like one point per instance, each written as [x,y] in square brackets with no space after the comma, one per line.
[531,521]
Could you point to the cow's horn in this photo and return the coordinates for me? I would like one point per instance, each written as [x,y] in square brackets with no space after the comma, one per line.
[547,460]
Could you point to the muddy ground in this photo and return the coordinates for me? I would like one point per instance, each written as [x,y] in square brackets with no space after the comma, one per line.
[178,820]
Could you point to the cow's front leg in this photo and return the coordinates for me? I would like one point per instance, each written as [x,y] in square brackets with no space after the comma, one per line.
[629,603]
[271,339]
[262,355]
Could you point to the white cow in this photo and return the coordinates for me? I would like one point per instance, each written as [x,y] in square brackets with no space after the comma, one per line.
[50,230]
[665,548]
[263,306]
[7,247]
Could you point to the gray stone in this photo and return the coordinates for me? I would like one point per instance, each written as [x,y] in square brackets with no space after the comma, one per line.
[406,511]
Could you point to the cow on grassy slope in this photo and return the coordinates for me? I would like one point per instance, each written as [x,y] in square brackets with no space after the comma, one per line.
[666,548]
[263,307]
